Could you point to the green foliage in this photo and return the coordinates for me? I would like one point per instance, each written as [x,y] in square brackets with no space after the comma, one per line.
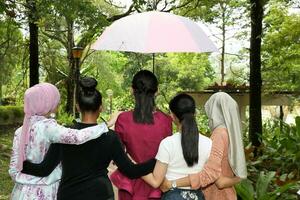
[183,72]
[6,184]
[281,49]
[281,142]
[246,190]
[297,120]
[11,115]
[275,172]
[105,67]
[10,47]
[64,118]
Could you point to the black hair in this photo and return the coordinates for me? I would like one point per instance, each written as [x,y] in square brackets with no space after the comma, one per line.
[183,106]
[144,85]
[88,97]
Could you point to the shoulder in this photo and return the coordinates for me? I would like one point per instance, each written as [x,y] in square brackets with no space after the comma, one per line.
[205,139]
[46,122]
[17,134]
[219,135]
[171,139]
[164,115]
[18,131]
[124,116]
[110,135]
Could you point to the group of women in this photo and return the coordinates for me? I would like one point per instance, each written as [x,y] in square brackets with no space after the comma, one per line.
[50,161]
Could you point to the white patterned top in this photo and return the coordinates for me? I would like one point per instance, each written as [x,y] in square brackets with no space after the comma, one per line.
[43,132]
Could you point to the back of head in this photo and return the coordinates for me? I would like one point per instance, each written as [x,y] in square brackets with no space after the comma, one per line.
[41,99]
[215,111]
[223,111]
[88,97]
[144,85]
[183,107]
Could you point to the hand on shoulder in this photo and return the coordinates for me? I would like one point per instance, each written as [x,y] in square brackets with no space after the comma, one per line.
[113,118]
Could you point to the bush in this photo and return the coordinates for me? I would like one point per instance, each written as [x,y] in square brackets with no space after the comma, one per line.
[275,173]
[11,115]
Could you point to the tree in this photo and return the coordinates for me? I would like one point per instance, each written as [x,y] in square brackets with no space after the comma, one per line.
[75,25]
[224,15]
[281,49]
[255,118]
[10,49]
[33,42]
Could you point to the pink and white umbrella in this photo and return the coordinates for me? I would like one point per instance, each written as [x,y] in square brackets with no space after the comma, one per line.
[154,32]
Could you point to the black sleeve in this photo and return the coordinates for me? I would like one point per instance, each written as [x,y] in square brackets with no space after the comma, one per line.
[51,160]
[126,166]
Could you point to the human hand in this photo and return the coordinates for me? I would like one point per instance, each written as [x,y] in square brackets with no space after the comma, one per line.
[113,118]
[224,181]
[166,185]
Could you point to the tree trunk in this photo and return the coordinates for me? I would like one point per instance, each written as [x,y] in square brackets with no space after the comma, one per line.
[281,115]
[71,78]
[33,44]
[255,122]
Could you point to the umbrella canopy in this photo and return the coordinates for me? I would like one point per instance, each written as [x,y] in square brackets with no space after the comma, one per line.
[154,32]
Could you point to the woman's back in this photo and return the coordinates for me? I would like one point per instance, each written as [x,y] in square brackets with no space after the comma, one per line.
[142,140]
[170,152]
[85,167]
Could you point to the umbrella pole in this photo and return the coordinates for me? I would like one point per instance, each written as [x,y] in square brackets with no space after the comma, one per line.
[153,62]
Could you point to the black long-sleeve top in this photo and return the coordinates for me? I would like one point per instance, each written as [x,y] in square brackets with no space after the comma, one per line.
[84,167]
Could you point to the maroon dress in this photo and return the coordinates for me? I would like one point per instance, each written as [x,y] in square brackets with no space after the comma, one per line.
[141,142]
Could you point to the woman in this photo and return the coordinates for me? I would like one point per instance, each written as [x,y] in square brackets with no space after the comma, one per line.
[183,153]
[84,167]
[227,156]
[32,140]
[141,131]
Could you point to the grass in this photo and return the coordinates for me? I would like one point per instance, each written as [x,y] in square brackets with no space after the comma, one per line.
[6,184]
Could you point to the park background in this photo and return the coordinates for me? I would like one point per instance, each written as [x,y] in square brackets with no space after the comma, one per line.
[37,38]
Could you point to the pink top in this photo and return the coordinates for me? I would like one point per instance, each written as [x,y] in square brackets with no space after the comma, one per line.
[141,142]
[216,165]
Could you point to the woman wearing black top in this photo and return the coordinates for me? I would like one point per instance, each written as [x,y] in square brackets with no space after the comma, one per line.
[84,167]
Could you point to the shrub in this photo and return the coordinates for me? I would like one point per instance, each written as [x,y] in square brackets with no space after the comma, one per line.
[11,115]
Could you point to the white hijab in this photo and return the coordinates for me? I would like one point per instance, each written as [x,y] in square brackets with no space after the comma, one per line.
[222,111]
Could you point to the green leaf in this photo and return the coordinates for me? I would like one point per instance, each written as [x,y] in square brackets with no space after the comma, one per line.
[277,193]
[245,190]
[297,120]
[263,183]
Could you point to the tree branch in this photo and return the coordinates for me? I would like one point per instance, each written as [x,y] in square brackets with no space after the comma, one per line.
[195,7]
[89,52]
[177,7]
[116,17]
[112,4]
[55,37]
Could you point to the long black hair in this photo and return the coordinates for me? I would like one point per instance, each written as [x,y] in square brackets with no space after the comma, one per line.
[183,106]
[88,97]
[144,85]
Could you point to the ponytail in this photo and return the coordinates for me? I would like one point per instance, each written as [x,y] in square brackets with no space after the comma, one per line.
[183,106]
[143,109]
[189,139]
[144,85]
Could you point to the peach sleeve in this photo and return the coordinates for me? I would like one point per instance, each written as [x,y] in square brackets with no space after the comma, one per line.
[213,168]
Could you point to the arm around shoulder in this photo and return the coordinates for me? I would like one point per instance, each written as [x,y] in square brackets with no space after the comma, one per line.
[212,169]
[225,182]
[60,134]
